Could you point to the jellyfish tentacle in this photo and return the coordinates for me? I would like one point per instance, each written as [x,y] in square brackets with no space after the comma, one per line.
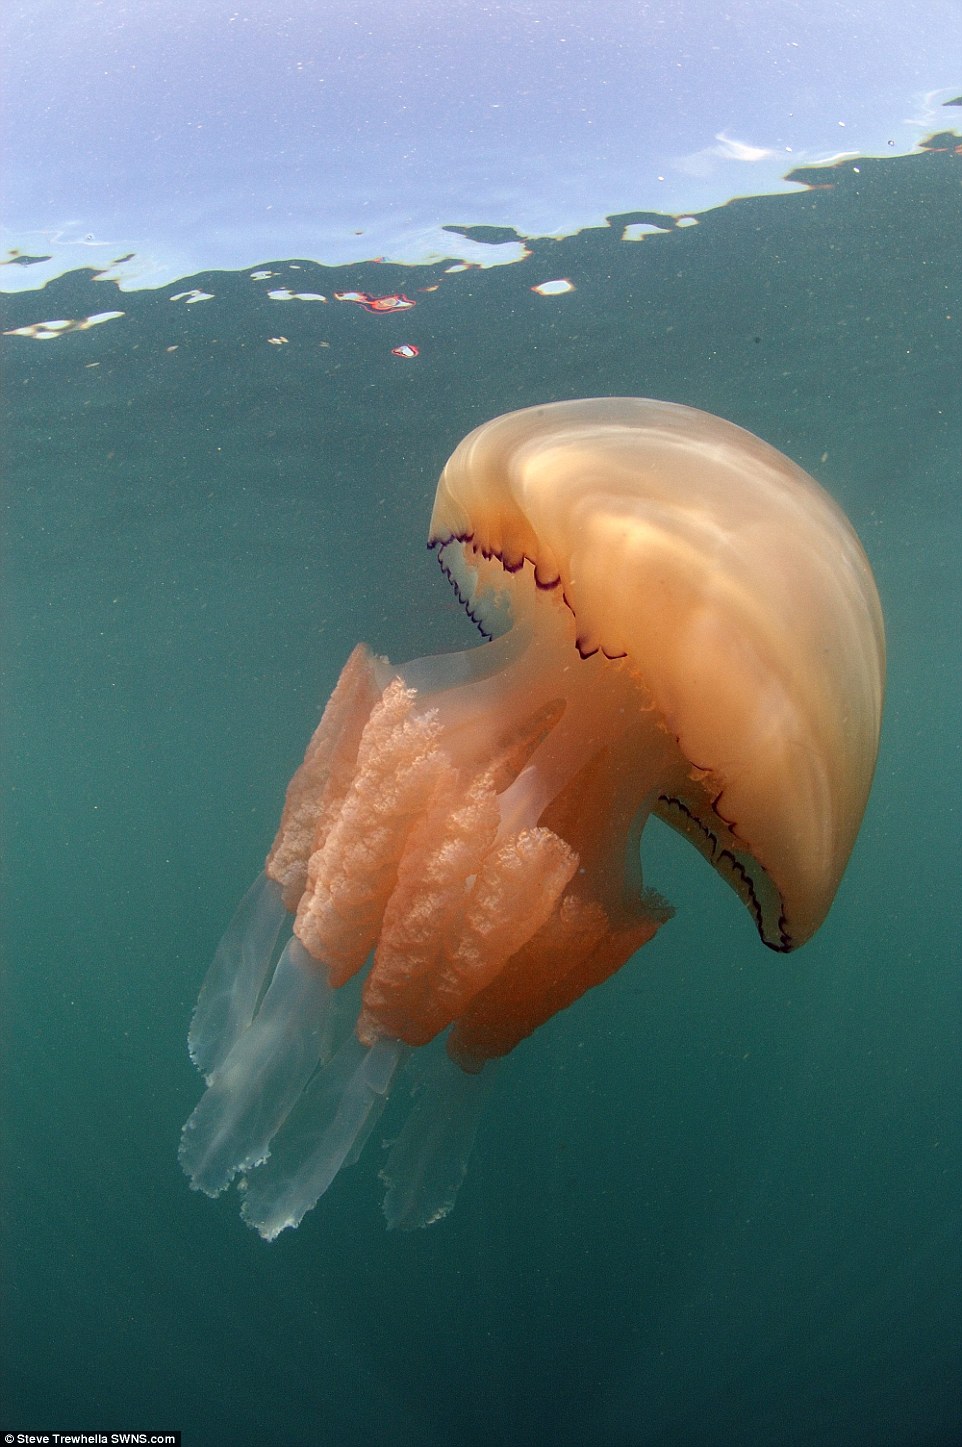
[317,791]
[429,1159]
[233,985]
[326,1132]
[422,920]
[254,1090]
[578,947]
[509,897]
[352,873]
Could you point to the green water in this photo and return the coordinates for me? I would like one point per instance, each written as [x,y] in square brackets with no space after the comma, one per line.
[714,1203]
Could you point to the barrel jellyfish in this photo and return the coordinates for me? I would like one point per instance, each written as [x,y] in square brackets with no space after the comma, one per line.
[677,621]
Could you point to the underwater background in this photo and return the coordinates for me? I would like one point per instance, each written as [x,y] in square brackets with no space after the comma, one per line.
[715,1202]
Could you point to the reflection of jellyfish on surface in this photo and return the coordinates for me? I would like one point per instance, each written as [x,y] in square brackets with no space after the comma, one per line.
[682,623]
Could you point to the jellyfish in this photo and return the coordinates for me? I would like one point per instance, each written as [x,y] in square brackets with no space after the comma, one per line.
[676,620]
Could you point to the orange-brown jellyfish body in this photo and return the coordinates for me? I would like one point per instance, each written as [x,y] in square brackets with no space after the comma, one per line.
[680,622]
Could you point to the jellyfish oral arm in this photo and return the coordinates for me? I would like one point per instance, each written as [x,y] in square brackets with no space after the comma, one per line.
[485,849]
[478,843]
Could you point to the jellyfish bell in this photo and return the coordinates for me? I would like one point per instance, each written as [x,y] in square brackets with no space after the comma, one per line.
[736,592]
[679,622]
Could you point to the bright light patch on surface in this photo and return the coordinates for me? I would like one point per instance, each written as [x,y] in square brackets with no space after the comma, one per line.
[282,293]
[554,288]
[50,331]
[638,230]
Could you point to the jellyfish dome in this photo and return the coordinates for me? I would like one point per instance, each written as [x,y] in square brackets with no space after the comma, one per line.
[678,621]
